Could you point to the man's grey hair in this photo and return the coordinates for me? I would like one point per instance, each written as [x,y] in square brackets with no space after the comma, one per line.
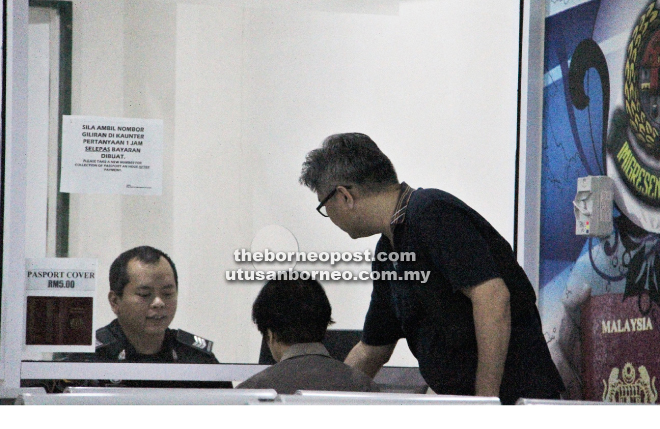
[348,159]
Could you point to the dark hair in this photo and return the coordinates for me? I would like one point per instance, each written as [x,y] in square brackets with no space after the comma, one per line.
[296,311]
[348,159]
[119,268]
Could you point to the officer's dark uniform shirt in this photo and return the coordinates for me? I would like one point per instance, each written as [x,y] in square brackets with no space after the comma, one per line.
[460,249]
[178,347]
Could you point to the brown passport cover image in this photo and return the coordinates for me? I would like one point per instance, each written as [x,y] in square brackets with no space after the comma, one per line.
[56,320]
[620,350]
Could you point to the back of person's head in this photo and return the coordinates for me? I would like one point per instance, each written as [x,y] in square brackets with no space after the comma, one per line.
[295,311]
[119,269]
[348,159]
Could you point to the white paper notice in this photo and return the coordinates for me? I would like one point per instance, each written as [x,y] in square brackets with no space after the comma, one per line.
[60,276]
[112,155]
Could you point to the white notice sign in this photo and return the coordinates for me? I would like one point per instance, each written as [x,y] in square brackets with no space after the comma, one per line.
[112,155]
[61,276]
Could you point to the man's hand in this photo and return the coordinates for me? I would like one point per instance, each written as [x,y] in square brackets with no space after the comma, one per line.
[369,359]
[492,324]
[567,346]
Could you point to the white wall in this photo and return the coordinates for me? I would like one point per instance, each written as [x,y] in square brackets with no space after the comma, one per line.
[246,92]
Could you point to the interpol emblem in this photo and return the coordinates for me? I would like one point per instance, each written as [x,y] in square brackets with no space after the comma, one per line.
[638,157]
[633,148]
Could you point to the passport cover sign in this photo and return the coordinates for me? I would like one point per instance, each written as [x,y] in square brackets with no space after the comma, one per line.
[621,350]
[60,304]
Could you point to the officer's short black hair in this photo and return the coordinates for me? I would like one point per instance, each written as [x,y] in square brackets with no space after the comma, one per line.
[147,254]
[296,311]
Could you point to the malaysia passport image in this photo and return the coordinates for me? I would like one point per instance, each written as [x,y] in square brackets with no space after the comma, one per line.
[621,350]
[57,320]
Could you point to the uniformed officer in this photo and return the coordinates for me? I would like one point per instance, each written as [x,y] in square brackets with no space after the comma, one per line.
[143,295]
[178,346]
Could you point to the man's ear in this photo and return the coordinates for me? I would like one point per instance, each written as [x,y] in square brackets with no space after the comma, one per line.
[114,300]
[346,197]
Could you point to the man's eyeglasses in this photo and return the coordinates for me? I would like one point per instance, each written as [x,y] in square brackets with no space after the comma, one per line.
[321,207]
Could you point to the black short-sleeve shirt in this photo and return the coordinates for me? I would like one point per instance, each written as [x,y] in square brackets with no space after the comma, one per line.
[458,248]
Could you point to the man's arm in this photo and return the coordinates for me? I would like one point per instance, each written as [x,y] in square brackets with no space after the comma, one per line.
[492,324]
[369,359]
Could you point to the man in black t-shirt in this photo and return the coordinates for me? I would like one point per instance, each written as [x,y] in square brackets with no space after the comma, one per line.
[469,317]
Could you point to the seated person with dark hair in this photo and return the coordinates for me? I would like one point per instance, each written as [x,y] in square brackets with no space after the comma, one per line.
[143,295]
[293,316]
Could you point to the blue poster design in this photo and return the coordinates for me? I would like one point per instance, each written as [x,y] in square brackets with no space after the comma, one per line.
[599,297]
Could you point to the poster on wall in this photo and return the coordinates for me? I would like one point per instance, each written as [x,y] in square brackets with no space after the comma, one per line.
[112,155]
[60,304]
[599,297]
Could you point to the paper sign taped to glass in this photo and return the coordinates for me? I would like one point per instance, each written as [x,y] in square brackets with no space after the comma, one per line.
[112,155]
[60,304]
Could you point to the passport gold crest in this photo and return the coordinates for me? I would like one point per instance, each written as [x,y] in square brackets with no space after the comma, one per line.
[628,388]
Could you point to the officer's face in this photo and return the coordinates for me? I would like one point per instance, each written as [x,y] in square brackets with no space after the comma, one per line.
[148,304]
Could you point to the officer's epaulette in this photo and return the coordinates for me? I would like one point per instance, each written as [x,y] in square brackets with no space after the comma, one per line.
[199,343]
[105,337]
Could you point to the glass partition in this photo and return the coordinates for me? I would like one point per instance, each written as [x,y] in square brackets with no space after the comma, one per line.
[3,104]
[49,99]
[244,90]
